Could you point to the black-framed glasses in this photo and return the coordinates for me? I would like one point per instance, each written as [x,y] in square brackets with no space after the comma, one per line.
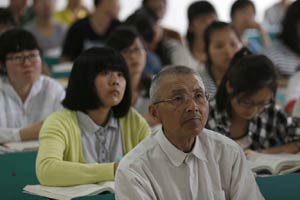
[248,104]
[182,99]
[20,59]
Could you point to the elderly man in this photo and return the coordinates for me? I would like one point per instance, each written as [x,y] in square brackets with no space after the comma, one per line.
[182,160]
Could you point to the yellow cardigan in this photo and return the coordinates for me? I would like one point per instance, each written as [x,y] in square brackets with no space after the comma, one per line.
[60,160]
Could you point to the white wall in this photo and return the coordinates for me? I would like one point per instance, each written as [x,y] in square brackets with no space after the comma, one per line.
[176,10]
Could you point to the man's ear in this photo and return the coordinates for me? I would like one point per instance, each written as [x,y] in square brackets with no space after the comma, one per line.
[154,112]
[229,88]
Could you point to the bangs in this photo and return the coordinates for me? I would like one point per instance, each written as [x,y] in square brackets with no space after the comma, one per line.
[122,38]
[16,41]
[98,60]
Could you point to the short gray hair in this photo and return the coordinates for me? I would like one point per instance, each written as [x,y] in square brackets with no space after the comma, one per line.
[166,71]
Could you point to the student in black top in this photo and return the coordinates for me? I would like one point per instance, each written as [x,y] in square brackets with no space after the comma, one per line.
[92,30]
[7,20]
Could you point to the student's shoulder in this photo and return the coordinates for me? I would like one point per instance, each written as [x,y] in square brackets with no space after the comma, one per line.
[50,83]
[80,24]
[139,155]
[62,117]
[133,116]
[220,140]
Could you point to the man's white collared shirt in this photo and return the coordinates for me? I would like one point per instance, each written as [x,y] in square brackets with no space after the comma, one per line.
[216,169]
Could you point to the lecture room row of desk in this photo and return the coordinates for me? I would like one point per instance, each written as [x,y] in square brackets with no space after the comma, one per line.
[18,170]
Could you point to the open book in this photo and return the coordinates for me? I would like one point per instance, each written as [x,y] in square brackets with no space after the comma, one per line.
[8,147]
[67,193]
[275,164]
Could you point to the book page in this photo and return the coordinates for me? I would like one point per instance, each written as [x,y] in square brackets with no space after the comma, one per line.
[31,145]
[66,193]
[273,162]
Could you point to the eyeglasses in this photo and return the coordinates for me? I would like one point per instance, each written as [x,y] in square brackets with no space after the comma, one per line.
[137,50]
[180,100]
[248,104]
[32,57]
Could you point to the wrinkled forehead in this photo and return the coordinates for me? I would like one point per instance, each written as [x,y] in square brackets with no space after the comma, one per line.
[181,82]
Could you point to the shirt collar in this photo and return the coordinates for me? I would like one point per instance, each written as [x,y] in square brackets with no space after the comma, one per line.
[89,126]
[198,149]
[175,155]
[35,89]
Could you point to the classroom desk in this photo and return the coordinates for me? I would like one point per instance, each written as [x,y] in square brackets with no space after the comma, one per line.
[18,169]
[280,187]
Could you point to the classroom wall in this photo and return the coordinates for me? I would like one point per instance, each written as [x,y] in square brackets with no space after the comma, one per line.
[176,10]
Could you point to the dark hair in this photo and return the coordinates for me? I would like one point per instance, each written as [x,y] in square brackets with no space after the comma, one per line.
[6,17]
[240,4]
[122,38]
[209,31]
[195,10]
[144,24]
[290,34]
[149,10]
[81,92]
[96,2]
[247,74]
[16,40]
[144,2]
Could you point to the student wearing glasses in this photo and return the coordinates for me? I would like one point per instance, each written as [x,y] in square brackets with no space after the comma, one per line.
[131,46]
[244,108]
[26,96]
[85,142]
[182,159]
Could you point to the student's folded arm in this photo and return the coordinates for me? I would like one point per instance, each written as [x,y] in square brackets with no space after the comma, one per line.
[9,135]
[56,166]
[30,132]
[287,148]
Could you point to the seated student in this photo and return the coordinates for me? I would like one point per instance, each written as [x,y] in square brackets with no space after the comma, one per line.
[91,31]
[274,15]
[84,143]
[242,15]
[154,11]
[47,31]
[146,28]
[244,108]
[26,96]
[21,11]
[221,42]
[192,53]
[182,160]
[127,41]
[7,20]
[285,51]
[157,9]
[73,11]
